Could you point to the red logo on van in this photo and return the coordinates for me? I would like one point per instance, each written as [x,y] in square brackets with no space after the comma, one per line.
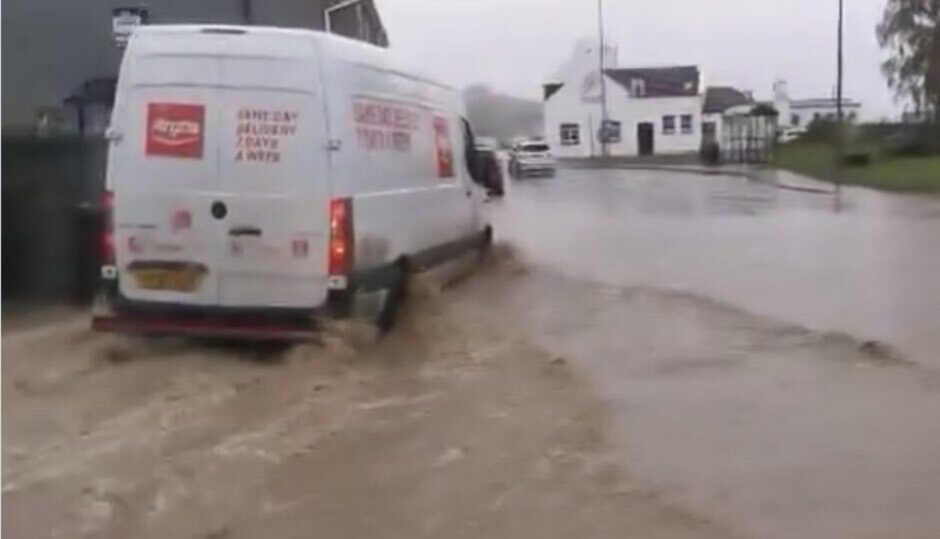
[175,129]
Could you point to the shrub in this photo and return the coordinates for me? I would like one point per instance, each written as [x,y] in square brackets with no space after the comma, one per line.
[915,140]
[857,159]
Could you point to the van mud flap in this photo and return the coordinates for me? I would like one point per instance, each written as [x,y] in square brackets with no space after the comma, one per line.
[214,327]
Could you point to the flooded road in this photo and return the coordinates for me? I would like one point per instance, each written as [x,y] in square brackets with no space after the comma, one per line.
[869,269]
[727,325]
[655,355]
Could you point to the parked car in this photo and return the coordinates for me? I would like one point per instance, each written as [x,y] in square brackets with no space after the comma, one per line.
[251,194]
[790,134]
[531,158]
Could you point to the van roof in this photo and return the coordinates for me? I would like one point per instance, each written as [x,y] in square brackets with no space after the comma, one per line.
[197,28]
[278,42]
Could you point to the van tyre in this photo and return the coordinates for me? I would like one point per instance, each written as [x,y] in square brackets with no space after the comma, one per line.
[394,299]
[486,244]
[340,303]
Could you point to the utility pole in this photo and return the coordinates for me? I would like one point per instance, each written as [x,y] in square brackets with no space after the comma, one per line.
[600,71]
[246,12]
[840,121]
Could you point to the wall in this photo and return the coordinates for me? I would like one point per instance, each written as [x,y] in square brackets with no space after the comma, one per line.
[567,106]
[49,236]
[631,112]
[51,47]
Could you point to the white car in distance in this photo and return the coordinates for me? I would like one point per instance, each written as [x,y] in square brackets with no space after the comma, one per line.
[532,158]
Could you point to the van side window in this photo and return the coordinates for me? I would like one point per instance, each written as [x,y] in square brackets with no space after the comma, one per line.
[474,166]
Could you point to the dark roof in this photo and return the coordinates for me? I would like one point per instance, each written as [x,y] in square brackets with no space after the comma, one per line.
[678,81]
[550,88]
[721,98]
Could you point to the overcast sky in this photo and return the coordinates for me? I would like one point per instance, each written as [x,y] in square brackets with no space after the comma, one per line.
[513,45]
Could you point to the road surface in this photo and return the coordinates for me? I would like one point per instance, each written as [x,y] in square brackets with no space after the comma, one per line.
[769,358]
[656,355]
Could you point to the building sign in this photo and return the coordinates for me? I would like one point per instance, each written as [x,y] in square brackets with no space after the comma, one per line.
[609,132]
[124,20]
[175,130]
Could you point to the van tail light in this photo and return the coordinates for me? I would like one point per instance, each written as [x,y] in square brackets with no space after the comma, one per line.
[341,236]
[107,229]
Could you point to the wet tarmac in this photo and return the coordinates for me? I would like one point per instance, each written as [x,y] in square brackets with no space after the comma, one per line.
[866,264]
[658,354]
[728,326]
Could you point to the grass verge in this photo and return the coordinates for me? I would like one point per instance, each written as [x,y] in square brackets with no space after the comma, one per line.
[887,172]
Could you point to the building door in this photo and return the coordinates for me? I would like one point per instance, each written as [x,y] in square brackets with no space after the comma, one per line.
[644,135]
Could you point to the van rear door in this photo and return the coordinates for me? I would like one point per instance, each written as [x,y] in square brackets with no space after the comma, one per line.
[220,172]
[163,168]
[273,175]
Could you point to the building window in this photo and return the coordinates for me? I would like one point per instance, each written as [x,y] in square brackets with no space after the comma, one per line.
[637,87]
[817,116]
[795,120]
[669,125]
[570,135]
[685,122]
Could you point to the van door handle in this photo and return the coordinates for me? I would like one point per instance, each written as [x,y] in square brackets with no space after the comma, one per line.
[245,231]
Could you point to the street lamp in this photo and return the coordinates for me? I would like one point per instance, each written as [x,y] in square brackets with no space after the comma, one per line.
[840,121]
[328,12]
[600,36]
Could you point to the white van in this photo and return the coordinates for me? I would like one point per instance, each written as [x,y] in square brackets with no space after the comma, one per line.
[259,175]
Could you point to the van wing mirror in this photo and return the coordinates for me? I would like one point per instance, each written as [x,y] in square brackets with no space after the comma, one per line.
[114,135]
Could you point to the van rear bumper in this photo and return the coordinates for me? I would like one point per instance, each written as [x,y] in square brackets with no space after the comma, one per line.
[121,315]
[216,327]
[264,323]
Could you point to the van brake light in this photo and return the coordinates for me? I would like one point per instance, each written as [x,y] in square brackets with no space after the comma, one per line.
[341,236]
[107,229]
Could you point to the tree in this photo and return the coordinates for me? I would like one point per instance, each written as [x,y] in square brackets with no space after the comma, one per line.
[502,116]
[910,31]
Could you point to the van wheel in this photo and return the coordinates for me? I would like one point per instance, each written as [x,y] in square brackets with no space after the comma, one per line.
[340,303]
[394,299]
[486,245]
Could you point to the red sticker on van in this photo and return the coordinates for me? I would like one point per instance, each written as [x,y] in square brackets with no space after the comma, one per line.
[175,129]
[444,150]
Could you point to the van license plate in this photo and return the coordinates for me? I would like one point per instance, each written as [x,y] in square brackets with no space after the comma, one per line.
[179,281]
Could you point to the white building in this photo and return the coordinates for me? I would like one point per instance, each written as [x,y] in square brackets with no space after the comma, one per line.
[803,112]
[656,110]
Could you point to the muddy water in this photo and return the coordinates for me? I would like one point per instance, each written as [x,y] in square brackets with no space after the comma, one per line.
[448,427]
[867,266]
[762,427]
